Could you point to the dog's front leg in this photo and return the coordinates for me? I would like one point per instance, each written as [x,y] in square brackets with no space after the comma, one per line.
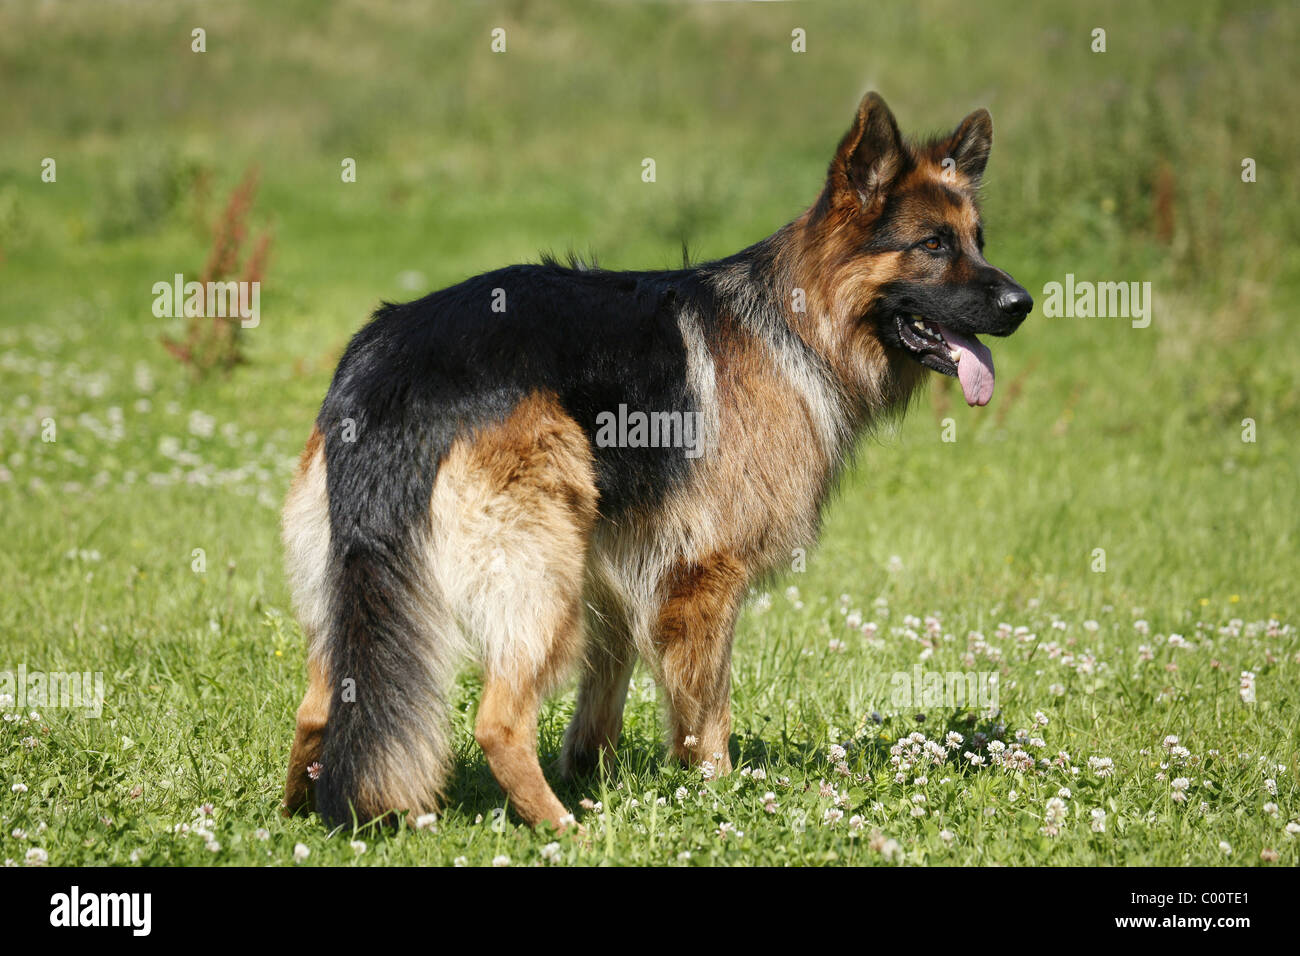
[695,630]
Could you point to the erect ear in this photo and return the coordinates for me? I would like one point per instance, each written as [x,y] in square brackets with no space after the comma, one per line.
[969,145]
[870,156]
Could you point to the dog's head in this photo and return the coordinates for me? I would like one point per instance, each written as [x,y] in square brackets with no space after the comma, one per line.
[901,248]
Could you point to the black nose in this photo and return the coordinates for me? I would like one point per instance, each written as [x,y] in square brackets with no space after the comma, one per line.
[1015,302]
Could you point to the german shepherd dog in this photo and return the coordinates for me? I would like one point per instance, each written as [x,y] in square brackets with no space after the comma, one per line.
[466,494]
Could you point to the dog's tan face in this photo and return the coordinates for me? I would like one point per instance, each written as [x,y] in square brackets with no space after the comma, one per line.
[907,262]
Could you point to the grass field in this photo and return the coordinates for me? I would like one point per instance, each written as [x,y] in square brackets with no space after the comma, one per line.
[1105,445]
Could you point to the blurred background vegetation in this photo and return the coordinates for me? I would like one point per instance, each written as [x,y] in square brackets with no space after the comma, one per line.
[1122,165]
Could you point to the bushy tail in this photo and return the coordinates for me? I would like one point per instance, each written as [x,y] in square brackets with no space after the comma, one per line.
[390,643]
[385,745]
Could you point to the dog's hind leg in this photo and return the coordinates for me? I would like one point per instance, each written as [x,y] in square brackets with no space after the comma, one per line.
[307,540]
[694,635]
[513,509]
[312,715]
[602,693]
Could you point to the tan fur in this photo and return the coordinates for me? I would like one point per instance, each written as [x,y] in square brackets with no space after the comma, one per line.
[305,530]
[513,507]
[694,636]
[592,735]
[306,534]
[312,716]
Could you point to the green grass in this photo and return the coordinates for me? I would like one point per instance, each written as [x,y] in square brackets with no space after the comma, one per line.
[1100,436]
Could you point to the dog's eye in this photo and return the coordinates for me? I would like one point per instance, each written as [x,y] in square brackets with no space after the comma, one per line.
[934,243]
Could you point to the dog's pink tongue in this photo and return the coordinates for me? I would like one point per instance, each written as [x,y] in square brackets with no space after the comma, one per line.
[975,370]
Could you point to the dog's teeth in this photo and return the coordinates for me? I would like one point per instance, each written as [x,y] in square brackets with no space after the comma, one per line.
[919,324]
[955,354]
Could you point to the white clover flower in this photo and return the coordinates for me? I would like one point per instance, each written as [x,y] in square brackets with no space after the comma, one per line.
[261,833]
[1101,766]
[358,847]
[1247,687]
[1271,809]
[19,788]
[1055,811]
[832,816]
[551,852]
[301,851]
[1098,820]
[427,821]
[1226,847]
[947,836]
[501,860]
[36,857]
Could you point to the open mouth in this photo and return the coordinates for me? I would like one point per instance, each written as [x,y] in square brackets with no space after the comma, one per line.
[939,348]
